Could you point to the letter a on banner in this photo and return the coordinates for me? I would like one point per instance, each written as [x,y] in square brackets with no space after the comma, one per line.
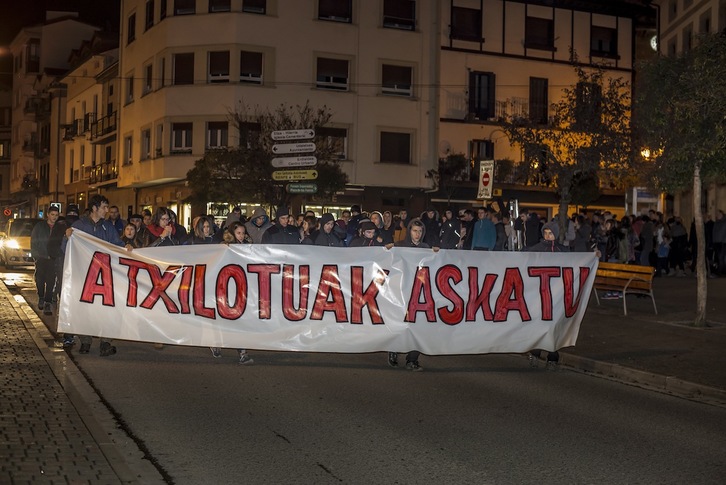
[486,179]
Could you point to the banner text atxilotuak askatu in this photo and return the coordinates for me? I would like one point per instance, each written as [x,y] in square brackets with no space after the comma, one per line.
[316,299]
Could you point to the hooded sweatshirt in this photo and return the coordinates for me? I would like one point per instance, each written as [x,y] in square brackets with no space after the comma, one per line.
[546,246]
[408,243]
[256,232]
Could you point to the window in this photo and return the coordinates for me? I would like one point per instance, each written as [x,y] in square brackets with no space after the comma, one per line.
[704,23]
[109,151]
[250,67]
[672,10]
[219,67]
[538,100]
[162,10]
[249,133]
[131,31]
[587,105]
[335,10]
[181,138]
[220,6]
[130,87]
[687,38]
[399,14]
[395,147]
[149,14]
[148,79]
[466,24]
[185,7]
[332,74]
[158,146]
[539,33]
[603,42]
[672,47]
[478,150]
[396,80]
[128,153]
[4,149]
[162,72]
[336,139]
[33,55]
[254,6]
[145,145]
[183,69]
[71,164]
[481,95]
[217,134]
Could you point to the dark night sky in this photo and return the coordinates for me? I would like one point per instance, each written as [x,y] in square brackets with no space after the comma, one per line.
[15,14]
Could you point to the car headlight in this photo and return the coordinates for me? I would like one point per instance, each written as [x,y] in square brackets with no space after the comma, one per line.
[12,244]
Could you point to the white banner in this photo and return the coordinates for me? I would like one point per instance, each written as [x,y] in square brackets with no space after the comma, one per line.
[320,299]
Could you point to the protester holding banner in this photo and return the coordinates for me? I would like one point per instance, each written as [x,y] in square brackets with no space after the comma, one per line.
[415,234]
[202,232]
[161,231]
[97,226]
[282,232]
[130,235]
[367,236]
[330,234]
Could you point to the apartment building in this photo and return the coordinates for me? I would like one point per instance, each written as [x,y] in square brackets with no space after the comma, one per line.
[6,97]
[186,63]
[680,22]
[514,57]
[40,53]
[90,122]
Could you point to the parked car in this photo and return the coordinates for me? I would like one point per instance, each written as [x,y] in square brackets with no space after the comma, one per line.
[15,242]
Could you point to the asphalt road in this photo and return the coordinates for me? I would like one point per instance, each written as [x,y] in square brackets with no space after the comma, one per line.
[330,418]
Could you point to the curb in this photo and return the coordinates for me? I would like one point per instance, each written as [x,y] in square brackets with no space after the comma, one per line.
[121,452]
[670,385]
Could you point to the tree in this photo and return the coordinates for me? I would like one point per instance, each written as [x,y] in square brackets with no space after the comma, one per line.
[450,170]
[244,173]
[680,114]
[587,135]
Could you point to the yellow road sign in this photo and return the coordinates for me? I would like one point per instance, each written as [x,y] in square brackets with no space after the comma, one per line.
[295,175]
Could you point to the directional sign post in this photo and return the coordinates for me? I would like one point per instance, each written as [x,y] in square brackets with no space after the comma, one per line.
[285,135]
[295,175]
[486,174]
[285,162]
[302,188]
[293,148]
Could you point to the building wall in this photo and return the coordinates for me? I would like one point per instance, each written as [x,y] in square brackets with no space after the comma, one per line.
[6,103]
[289,77]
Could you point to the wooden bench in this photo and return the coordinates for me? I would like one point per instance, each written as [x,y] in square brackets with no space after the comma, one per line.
[626,278]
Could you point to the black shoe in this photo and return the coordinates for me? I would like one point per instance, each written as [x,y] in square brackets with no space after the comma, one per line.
[107,349]
[41,304]
[393,359]
[85,348]
[47,310]
[413,366]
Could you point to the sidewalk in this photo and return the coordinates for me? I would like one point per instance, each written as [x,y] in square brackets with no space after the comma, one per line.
[53,426]
[662,351]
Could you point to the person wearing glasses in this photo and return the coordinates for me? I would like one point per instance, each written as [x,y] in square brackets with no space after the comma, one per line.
[161,231]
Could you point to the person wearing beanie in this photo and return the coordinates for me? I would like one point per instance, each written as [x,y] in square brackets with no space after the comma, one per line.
[367,236]
[351,227]
[328,234]
[282,232]
[549,244]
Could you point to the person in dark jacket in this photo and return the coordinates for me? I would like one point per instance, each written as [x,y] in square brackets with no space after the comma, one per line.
[367,235]
[450,233]
[282,232]
[500,243]
[258,224]
[44,268]
[328,236]
[387,232]
[550,233]
[130,236]
[202,232]
[97,226]
[583,230]
[161,231]
[414,239]
[430,220]
[351,227]
[56,252]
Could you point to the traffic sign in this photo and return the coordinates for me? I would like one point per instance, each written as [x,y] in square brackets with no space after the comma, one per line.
[283,135]
[485,179]
[293,148]
[303,188]
[295,175]
[486,172]
[307,161]
[7,212]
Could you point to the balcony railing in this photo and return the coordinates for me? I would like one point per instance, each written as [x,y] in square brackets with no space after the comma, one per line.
[105,172]
[103,126]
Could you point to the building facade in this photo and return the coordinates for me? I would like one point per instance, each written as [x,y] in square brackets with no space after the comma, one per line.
[680,22]
[6,128]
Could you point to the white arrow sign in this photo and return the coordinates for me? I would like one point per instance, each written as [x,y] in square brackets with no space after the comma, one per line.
[308,161]
[283,135]
[293,148]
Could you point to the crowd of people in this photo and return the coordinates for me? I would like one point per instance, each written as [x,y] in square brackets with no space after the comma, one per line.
[649,239]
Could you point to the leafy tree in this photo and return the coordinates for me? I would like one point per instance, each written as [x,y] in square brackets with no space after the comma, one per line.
[680,113]
[244,173]
[587,137]
[449,171]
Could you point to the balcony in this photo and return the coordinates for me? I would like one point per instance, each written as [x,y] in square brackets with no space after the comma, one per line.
[105,173]
[103,128]
[70,131]
[30,145]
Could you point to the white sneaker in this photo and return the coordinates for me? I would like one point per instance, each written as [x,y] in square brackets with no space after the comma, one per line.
[216,352]
[245,359]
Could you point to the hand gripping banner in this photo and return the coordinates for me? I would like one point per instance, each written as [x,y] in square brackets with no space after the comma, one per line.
[320,299]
